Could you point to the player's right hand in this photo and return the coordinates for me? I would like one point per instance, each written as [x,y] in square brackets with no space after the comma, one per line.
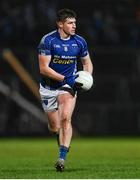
[70,80]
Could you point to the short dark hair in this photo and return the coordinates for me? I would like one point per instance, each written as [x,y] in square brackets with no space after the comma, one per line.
[63,14]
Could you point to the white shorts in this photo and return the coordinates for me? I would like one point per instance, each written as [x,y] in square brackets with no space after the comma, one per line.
[49,97]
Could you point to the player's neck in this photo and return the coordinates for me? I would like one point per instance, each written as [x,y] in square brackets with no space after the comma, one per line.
[63,35]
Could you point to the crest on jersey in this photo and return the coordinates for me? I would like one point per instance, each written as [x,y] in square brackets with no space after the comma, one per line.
[65,48]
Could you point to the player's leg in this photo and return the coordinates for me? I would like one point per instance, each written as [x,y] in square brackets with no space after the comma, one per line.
[66,106]
[53,123]
[50,106]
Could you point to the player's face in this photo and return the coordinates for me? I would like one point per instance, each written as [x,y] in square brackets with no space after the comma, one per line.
[69,26]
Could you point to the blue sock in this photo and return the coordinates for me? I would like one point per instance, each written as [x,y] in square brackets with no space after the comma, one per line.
[63,152]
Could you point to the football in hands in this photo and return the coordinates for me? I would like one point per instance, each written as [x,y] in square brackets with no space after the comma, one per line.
[85,78]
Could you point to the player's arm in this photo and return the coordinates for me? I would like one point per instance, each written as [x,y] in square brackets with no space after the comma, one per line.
[49,72]
[46,70]
[87,64]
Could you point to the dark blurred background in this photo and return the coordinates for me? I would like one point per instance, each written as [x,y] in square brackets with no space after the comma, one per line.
[112,30]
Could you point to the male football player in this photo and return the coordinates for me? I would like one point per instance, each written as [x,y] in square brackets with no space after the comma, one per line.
[59,52]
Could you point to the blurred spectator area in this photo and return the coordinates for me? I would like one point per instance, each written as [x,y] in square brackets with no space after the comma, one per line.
[106,22]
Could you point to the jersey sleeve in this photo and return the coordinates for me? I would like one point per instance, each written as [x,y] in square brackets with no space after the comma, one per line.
[44,47]
[84,48]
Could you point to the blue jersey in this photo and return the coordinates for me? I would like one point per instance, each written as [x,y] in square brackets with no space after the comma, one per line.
[64,55]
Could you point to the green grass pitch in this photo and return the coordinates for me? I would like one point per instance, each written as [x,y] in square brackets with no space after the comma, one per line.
[107,158]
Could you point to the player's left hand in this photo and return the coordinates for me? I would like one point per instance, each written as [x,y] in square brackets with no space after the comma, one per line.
[77,86]
[70,80]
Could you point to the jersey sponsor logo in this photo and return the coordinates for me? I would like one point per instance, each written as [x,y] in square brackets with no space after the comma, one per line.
[60,61]
[68,57]
[56,56]
[74,45]
[65,45]
[56,46]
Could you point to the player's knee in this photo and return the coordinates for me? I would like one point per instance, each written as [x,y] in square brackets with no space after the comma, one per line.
[65,117]
[53,129]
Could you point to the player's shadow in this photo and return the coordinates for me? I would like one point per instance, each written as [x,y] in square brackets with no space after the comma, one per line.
[71,169]
[75,169]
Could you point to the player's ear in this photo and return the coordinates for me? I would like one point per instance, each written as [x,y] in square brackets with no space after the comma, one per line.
[59,24]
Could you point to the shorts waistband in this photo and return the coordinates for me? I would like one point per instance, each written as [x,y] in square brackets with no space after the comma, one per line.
[48,87]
